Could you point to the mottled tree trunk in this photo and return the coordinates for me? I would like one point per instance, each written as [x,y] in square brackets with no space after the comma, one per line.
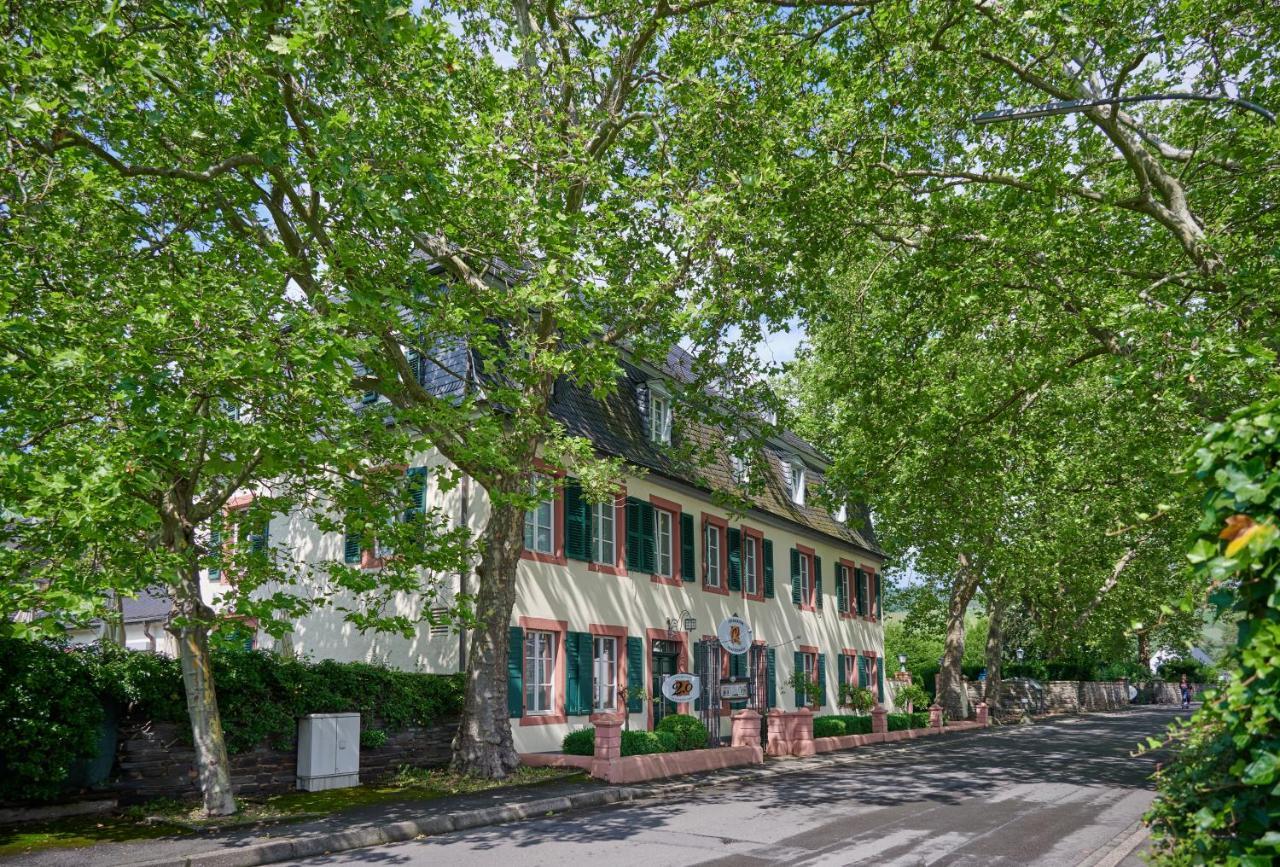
[951,691]
[995,651]
[483,745]
[1144,650]
[190,625]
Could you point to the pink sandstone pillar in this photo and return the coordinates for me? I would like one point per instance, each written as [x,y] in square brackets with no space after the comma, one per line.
[778,744]
[879,720]
[608,746]
[802,733]
[935,716]
[982,714]
[746,729]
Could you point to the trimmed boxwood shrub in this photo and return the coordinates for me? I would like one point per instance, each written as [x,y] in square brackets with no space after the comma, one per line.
[857,725]
[644,743]
[899,722]
[920,719]
[580,742]
[688,731]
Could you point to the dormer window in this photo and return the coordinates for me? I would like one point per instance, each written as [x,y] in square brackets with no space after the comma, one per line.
[793,473]
[740,468]
[659,415]
[842,513]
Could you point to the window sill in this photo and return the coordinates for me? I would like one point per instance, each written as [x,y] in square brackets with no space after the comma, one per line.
[539,557]
[753,597]
[808,608]
[545,719]
[605,569]
[668,580]
[720,591]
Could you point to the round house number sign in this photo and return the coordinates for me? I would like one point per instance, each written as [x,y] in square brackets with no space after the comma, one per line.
[734,634]
[681,687]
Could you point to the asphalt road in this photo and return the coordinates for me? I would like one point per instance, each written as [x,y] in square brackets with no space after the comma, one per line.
[1061,792]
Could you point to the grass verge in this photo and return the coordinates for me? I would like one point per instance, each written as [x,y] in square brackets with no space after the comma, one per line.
[173,819]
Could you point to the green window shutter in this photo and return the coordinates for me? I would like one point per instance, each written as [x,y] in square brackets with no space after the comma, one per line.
[817,579]
[215,552]
[258,541]
[737,665]
[578,659]
[635,672]
[515,672]
[863,679]
[767,548]
[822,679]
[417,365]
[771,677]
[688,544]
[879,598]
[418,494]
[799,669]
[577,522]
[841,601]
[635,554]
[880,679]
[735,559]
[842,669]
[859,590]
[649,539]
[795,576]
[351,548]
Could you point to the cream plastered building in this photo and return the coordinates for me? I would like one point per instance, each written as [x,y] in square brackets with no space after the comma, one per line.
[605,591]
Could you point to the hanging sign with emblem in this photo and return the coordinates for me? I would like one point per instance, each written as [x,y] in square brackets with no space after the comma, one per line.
[735,635]
[681,687]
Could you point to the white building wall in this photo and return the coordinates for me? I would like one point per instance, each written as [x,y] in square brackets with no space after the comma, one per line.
[580,597]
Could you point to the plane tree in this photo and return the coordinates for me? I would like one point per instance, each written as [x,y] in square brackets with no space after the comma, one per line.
[483,200]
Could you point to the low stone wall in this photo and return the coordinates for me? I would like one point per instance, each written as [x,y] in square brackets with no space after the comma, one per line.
[155,760]
[637,769]
[1075,696]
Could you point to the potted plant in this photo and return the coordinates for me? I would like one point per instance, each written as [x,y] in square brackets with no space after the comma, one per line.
[912,696]
[858,698]
[809,690]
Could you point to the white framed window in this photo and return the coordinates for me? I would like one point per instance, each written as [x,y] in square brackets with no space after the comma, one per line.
[659,416]
[539,523]
[806,580]
[845,588]
[604,673]
[605,533]
[750,580]
[810,662]
[713,555]
[842,513]
[539,672]
[663,520]
[383,550]
[864,578]
[796,482]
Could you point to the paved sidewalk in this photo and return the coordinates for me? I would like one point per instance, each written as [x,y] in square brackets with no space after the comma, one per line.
[396,821]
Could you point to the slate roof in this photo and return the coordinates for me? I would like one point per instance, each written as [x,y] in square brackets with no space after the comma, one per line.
[615,426]
[147,605]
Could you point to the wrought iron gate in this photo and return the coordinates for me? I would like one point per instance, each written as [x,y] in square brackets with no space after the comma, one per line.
[708,665]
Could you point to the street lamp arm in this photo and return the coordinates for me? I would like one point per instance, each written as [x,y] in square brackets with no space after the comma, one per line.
[1073,106]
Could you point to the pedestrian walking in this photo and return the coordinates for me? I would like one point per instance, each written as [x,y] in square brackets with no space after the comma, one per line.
[1186,693]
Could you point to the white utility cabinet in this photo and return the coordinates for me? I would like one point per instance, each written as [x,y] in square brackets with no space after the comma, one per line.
[328,751]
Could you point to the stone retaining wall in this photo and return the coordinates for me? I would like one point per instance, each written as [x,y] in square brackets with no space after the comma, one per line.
[155,760]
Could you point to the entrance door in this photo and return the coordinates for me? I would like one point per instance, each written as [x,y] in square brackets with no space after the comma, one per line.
[664,664]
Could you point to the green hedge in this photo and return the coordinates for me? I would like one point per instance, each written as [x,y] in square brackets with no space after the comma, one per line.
[835,725]
[51,699]
[579,742]
[644,743]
